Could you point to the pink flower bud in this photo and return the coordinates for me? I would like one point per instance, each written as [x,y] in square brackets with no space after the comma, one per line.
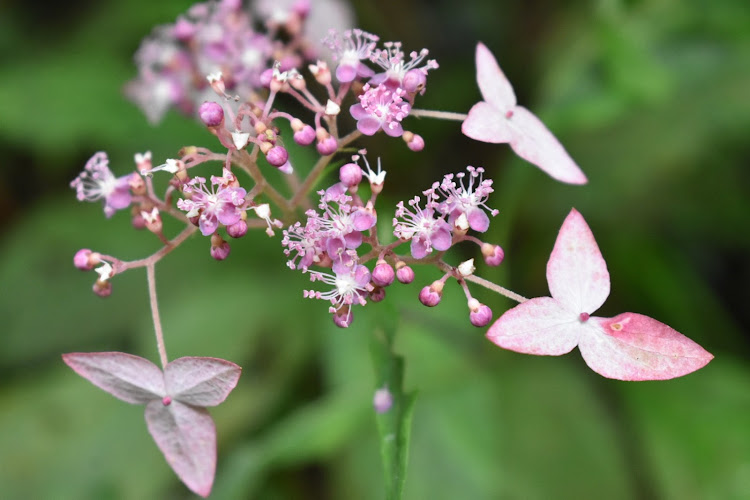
[219,248]
[480,315]
[277,156]
[350,174]
[102,288]
[382,274]
[327,146]
[211,114]
[493,254]
[377,294]
[405,274]
[383,400]
[238,229]
[431,295]
[305,136]
[416,143]
[343,317]
[85,259]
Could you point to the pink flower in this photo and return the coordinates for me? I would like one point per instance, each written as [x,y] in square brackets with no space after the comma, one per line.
[381,108]
[175,402]
[97,182]
[629,346]
[222,206]
[467,200]
[399,72]
[498,119]
[422,227]
[349,49]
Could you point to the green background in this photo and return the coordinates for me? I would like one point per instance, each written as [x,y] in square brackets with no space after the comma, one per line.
[652,99]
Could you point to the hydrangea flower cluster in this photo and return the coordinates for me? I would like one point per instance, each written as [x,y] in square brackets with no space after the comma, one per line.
[214,37]
[332,238]
[215,61]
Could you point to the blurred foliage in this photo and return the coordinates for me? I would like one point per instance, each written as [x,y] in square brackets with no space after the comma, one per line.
[650,97]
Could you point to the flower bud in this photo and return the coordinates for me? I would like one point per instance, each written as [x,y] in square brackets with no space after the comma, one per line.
[103,288]
[493,254]
[85,259]
[327,145]
[382,274]
[305,136]
[377,294]
[219,248]
[343,317]
[404,273]
[211,114]
[383,400]
[350,174]
[238,229]
[277,156]
[480,315]
[431,295]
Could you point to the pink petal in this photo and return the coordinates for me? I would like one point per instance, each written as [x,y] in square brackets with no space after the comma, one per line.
[442,239]
[487,124]
[130,378]
[187,438]
[208,223]
[393,129]
[357,111]
[362,220]
[576,271]
[368,125]
[478,220]
[538,326]
[201,381]
[533,142]
[493,84]
[352,239]
[346,72]
[632,346]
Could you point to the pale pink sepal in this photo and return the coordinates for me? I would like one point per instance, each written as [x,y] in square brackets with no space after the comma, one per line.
[576,271]
[483,125]
[538,326]
[201,381]
[186,435]
[493,84]
[130,378]
[498,119]
[635,347]
[627,347]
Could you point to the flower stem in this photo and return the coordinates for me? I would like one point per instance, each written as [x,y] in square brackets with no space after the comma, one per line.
[150,274]
[440,115]
[496,288]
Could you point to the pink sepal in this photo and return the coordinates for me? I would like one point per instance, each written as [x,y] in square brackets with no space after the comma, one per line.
[498,119]
[130,378]
[635,347]
[201,381]
[186,435]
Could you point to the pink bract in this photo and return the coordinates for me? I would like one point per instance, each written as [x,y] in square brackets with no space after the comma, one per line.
[629,346]
[498,119]
[182,429]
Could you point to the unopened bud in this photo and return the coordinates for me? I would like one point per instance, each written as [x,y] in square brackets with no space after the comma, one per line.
[431,295]
[382,274]
[211,114]
[493,254]
[277,156]
[219,248]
